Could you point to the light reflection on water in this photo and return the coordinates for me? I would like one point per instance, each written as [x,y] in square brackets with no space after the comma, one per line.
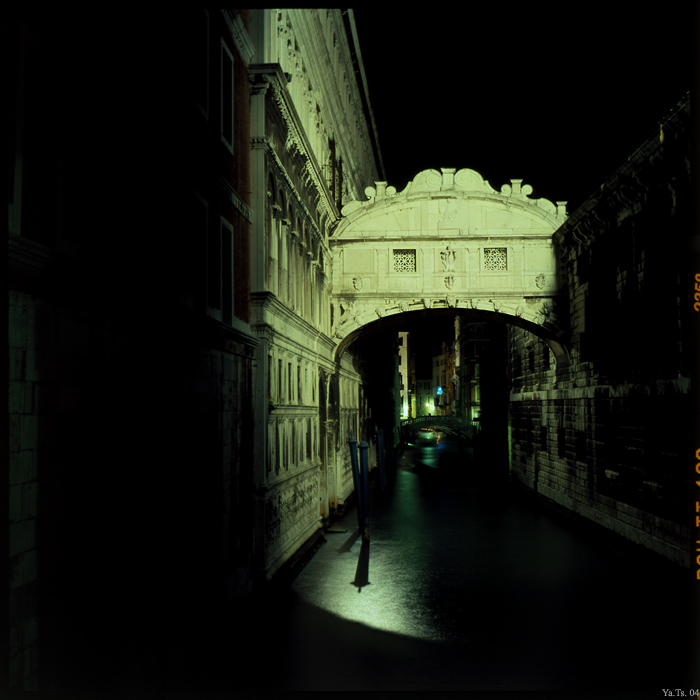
[476,569]
[386,584]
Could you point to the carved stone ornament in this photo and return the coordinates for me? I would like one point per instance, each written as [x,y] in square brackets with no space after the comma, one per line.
[448,258]
[545,312]
[358,283]
[540,281]
[450,281]
[448,210]
[347,307]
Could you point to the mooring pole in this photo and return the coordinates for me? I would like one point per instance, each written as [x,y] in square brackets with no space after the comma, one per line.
[390,454]
[381,458]
[364,476]
[356,479]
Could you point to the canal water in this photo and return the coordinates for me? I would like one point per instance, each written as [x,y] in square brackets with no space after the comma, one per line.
[468,585]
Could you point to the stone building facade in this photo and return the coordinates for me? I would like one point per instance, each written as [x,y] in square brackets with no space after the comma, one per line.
[216,282]
[190,253]
[313,147]
[131,352]
[608,435]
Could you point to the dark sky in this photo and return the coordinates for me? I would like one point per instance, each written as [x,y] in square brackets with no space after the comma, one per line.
[514,91]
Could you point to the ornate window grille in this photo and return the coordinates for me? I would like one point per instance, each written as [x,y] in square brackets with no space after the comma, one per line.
[495,259]
[405,260]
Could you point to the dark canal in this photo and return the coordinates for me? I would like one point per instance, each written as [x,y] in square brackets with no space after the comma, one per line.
[469,586]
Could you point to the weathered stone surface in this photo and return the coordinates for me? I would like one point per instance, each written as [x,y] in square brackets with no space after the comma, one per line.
[608,437]
[448,239]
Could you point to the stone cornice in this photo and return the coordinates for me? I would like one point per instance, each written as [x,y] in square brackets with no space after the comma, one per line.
[270,304]
[350,124]
[265,143]
[271,77]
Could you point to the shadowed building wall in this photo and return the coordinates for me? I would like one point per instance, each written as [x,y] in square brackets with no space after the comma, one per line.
[608,436]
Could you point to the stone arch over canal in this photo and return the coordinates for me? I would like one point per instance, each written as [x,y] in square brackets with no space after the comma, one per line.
[600,434]
[447,241]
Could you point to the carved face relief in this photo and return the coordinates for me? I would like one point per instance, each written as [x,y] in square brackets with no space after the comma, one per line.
[540,281]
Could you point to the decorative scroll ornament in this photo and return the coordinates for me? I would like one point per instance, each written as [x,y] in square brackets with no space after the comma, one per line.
[450,281]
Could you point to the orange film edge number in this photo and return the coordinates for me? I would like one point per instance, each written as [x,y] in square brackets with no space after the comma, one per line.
[696,305]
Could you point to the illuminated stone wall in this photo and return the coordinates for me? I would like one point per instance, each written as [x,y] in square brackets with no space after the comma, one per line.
[449,240]
[312,149]
[607,436]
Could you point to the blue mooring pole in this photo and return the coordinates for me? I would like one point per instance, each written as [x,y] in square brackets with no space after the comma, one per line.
[381,457]
[390,453]
[364,476]
[356,479]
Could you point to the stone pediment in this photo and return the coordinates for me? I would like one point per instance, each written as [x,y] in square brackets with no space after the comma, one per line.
[449,203]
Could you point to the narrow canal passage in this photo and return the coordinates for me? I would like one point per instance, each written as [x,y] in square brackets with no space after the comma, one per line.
[466,585]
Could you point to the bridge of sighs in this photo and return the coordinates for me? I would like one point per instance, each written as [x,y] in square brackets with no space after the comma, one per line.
[447,241]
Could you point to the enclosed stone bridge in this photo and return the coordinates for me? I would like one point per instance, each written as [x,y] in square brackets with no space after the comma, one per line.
[447,241]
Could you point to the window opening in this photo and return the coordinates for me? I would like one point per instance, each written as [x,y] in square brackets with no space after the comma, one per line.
[226,96]
[495,259]
[404,260]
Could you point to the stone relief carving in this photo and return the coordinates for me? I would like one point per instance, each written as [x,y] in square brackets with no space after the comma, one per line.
[442,197]
[448,210]
[448,258]
[546,316]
